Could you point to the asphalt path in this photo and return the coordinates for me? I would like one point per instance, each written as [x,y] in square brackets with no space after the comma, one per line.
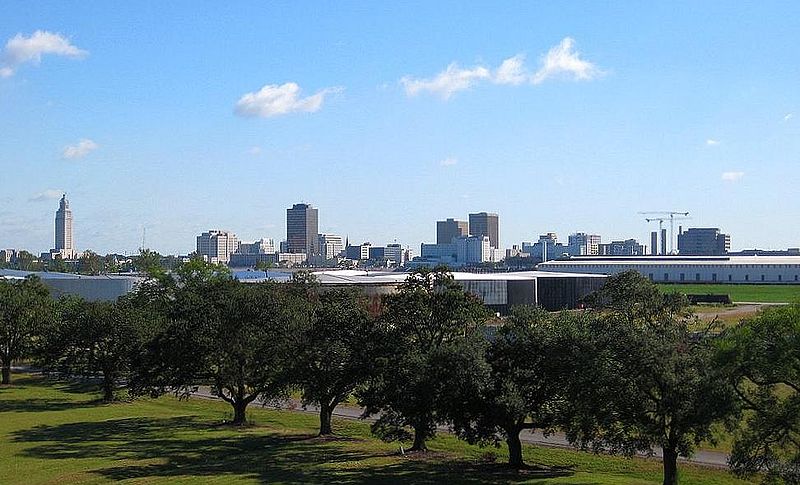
[714,459]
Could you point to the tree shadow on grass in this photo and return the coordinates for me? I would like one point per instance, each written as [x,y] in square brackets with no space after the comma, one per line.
[188,446]
[40,405]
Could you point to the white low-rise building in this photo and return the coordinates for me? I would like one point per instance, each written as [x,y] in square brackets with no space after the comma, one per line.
[689,269]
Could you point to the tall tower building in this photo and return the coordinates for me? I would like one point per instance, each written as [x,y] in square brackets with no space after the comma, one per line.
[485,224]
[302,229]
[450,229]
[64,242]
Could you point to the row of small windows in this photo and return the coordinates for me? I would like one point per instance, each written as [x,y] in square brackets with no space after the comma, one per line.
[682,277]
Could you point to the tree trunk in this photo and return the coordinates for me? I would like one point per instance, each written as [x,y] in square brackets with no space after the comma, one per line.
[6,374]
[420,433]
[670,467]
[239,408]
[108,388]
[325,412]
[514,448]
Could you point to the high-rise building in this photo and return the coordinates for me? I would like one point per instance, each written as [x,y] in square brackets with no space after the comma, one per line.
[582,244]
[217,246]
[703,241]
[663,241]
[654,243]
[64,242]
[330,245]
[450,229]
[302,229]
[485,224]
[473,249]
[394,253]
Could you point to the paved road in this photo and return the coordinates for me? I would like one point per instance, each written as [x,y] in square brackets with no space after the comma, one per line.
[713,459]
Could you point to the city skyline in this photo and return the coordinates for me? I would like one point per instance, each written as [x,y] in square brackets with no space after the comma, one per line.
[570,118]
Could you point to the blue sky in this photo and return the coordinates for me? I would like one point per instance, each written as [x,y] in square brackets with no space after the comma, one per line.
[561,117]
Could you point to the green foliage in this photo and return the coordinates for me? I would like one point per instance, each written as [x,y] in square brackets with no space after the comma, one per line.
[231,336]
[429,318]
[26,261]
[94,339]
[25,309]
[530,363]
[334,350]
[763,354]
[57,265]
[91,263]
[148,262]
[649,380]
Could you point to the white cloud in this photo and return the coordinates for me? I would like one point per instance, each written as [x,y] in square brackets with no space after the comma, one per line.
[80,149]
[563,60]
[447,82]
[255,150]
[711,142]
[448,162]
[732,176]
[511,71]
[48,194]
[21,50]
[788,116]
[275,100]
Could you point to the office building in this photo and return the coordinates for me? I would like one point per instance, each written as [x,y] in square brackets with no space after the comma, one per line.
[450,229]
[485,224]
[473,249]
[361,252]
[628,247]
[663,241]
[654,243]
[445,253]
[216,246]
[546,248]
[64,246]
[262,246]
[7,255]
[331,246]
[394,254]
[582,244]
[251,260]
[302,229]
[703,241]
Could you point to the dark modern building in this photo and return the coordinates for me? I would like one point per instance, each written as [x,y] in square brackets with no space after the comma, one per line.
[485,224]
[703,241]
[302,227]
[450,229]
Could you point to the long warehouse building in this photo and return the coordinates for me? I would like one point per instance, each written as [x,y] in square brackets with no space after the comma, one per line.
[499,291]
[688,269]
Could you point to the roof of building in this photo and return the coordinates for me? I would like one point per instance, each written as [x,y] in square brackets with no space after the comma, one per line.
[48,275]
[361,277]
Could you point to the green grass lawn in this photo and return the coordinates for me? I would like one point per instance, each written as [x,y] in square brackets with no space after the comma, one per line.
[739,293]
[57,433]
